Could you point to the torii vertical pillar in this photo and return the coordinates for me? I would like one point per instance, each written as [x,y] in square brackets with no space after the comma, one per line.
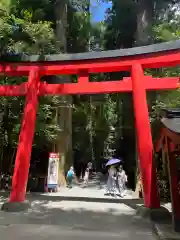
[144,139]
[22,161]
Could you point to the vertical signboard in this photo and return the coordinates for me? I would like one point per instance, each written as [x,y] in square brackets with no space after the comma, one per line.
[53,168]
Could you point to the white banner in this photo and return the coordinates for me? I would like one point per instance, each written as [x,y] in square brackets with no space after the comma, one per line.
[53,169]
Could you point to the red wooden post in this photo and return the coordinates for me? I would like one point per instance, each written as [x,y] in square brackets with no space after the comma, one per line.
[83,78]
[173,179]
[144,139]
[23,155]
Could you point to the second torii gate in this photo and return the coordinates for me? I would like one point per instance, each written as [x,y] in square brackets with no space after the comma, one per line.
[134,60]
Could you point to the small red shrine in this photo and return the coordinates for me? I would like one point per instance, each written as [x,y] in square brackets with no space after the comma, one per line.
[168,144]
[134,60]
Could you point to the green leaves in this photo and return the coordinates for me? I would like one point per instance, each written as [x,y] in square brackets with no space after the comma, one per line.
[166,31]
[19,34]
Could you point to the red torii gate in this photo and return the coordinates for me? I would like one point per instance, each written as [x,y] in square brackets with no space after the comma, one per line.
[133,60]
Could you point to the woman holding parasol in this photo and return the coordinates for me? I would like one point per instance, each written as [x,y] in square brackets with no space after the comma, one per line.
[112,176]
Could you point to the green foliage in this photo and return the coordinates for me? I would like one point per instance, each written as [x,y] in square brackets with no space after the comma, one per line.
[95,117]
[166,31]
[79,32]
[20,35]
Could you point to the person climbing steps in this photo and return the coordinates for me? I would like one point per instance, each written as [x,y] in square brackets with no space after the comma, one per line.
[69,177]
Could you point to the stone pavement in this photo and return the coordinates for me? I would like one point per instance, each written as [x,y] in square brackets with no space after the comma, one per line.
[81,213]
[65,219]
[165,232]
[90,192]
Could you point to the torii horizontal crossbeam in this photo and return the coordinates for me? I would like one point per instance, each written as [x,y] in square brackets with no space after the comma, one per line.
[153,56]
[95,66]
[124,85]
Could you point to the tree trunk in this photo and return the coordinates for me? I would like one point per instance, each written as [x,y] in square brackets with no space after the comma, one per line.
[64,112]
[144,22]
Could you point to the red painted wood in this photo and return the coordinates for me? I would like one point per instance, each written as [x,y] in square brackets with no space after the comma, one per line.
[173,177]
[22,161]
[159,142]
[162,83]
[85,87]
[164,133]
[83,78]
[125,85]
[163,59]
[175,138]
[144,139]
[13,90]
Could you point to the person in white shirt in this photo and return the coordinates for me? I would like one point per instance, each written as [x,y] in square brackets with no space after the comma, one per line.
[121,180]
[90,167]
[86,176]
